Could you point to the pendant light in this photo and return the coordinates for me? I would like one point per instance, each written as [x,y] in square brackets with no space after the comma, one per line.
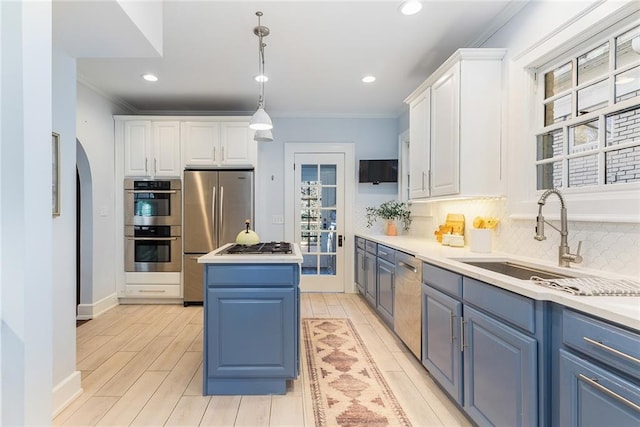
[261,120]
[263,136]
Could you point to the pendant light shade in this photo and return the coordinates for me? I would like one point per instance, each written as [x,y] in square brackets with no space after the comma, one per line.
[260,120]
[263,136]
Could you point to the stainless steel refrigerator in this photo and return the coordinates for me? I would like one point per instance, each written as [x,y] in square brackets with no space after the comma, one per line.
[216,204]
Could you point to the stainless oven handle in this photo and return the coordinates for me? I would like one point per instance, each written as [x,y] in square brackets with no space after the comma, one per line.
[152,191]
[152,238]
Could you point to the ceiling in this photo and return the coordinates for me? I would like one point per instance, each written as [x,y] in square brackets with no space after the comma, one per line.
[315,56]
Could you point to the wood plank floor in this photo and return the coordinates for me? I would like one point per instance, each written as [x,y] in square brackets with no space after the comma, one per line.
[142,365]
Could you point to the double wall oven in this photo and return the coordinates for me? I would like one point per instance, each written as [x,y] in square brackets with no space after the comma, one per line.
[152,225]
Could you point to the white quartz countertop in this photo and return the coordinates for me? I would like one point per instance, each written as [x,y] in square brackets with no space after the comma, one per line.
[621,310]
[215,258]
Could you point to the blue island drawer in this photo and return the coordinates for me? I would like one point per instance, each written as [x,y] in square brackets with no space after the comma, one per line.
[445,280]
[360,242]
[604,342]
[252,274]
[509,306]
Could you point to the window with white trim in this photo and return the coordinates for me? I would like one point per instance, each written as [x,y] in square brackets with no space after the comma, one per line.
[590,116]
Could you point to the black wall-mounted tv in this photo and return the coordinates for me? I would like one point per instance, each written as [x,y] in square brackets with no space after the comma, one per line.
[377,171]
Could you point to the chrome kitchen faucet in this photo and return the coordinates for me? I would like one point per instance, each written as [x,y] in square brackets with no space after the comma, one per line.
[565,257]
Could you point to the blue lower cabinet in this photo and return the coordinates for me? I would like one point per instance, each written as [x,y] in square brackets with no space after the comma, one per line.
[594,397]
[252,343]
[441,352]
[500,371]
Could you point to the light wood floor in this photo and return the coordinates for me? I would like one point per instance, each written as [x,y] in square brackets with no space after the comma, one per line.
[142,365]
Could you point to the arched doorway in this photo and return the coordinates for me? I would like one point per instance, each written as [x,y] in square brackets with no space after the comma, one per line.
[84,234]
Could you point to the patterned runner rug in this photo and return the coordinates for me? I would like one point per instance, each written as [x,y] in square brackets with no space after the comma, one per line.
[347,388]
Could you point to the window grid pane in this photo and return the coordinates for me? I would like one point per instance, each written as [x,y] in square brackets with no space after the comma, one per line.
[623,127]
[593,97]
[628,84]
[558,80]
[625,54]
[558,110]
[550,145]
[623,165]
[549,175]
[593,64]
[583,137]
[583,171]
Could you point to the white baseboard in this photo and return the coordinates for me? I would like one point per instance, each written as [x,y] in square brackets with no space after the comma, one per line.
[91,311]
[65,392]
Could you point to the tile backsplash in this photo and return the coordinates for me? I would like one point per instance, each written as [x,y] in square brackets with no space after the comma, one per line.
[606,246]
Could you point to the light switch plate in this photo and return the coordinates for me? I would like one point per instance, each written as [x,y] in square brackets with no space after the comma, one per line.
[277,219]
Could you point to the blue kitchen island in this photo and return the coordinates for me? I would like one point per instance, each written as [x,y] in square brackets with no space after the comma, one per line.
[251,322]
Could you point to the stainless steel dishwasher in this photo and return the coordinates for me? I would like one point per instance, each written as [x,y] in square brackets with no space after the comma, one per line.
[407,309]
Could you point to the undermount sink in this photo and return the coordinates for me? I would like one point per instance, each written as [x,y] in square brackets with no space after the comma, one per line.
[516,270]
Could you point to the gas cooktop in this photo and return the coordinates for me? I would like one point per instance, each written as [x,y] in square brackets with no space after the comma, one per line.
[259,248]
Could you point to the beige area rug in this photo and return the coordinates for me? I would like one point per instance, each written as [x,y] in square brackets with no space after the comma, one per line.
[347,388]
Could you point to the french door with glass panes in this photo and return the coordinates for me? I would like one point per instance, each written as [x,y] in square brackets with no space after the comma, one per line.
[319,220]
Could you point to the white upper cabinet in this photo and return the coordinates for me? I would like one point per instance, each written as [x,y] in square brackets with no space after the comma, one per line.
[151,148]
[455,128]
[218,143]
[201,143]
[445,133]
[419,137]
[166,148]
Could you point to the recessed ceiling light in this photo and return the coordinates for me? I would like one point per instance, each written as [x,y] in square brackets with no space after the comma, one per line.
[368,79]
[410,7]
[261,78]
[150,77]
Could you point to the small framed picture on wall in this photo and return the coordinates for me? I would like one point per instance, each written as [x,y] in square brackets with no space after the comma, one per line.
[55,169]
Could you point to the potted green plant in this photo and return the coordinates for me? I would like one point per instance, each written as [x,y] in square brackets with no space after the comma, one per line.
[390,211]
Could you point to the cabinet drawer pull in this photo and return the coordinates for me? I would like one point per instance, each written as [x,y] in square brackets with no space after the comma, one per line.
[611,350]
[151,292]
[407,266]
[594,383]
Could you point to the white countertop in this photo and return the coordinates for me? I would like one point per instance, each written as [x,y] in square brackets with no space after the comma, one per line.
[622,310]
[213,258]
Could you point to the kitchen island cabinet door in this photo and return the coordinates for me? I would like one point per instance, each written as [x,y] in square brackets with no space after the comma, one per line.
[251,334]
[500,371]
[441,353]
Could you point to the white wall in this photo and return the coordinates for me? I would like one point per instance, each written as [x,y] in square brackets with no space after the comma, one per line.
[95,132]
[373,139]
[26,282]
[66,380]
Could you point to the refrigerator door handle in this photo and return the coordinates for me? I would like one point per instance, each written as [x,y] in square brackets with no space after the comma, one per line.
[221,209]
[213,211]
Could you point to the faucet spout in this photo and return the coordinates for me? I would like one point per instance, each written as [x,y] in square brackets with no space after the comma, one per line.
[565,257]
